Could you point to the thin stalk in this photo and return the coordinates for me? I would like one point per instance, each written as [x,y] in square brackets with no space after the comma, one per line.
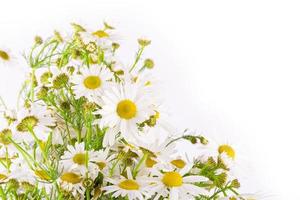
[137,58]
[32,85]
[138,166]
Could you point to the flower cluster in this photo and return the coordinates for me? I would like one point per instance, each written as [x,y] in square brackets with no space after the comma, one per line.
[91,128]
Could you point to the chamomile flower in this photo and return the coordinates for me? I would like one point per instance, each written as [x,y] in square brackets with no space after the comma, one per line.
[6,132]
[103,38]
[102,159]
[91,82]
[129,187]
[159,152]
[4,173]
[176,185]
[44,179]
[33,122]
[60,77]
[6,57]
[219,148]
[7,148]
[77,158]
[21,171]
[110,136]
[124,107]
[72,181]
[43,76]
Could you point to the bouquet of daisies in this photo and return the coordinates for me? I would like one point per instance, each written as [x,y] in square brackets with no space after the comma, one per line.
[90,128]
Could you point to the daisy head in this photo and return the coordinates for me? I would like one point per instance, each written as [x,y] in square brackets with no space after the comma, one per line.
[217,147]
[35,121]
[42,175]
[77,158]
[60,77]
[128,187]
[72,181]
[124,107]
[103,160]
[4,174]
[6,57]
[7,148]
[5,131]
[159,152]
[176,185]
[228,154]
[91,82]
[102,37]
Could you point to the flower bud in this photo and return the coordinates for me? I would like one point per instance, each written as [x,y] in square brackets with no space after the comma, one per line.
[60,81]
[107,26]
[91,47]
[144,42]
[4,55]
[58,37]
[77,27]
[65,105]
[38,40]
[235,183]
[115,46]
[42,93]
[148,63]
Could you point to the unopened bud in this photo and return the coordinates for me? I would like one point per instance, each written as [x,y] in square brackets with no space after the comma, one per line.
[58,37]
[38,40]
[42,93]
[77,27]
[115,46]
[107,26]
[148,63]
[144,42]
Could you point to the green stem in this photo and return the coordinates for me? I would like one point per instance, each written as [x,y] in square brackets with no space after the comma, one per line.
[41,51]
[138,166]
[139,54]
[3,103]
[40,145]
[89,129]
[88,196]
[32,85]
[2,194]
[222,190]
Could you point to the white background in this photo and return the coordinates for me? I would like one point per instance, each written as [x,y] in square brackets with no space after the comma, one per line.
[229,69]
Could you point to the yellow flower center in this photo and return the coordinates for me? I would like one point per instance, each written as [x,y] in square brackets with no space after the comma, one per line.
[4,55]
[27,123]
[157,115]
[92,82]
[71,177]
[148,83]
[91,47]
[101,165]
[150,162]
[129,185]
[42,175]
[4,136]
[101,34]
[3,177]
[172,179]
[228,150]
[79,158]
[178,163]
[126,109]
[60,81]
